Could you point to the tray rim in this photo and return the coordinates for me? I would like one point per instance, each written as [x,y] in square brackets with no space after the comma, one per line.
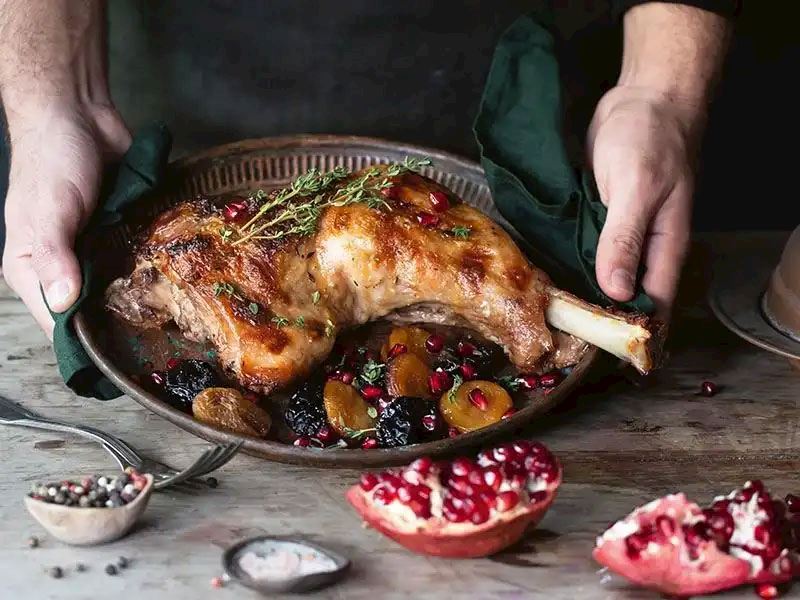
[339,458]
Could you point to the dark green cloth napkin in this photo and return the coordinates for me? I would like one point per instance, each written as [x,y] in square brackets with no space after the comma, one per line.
[555,207]
[138,173]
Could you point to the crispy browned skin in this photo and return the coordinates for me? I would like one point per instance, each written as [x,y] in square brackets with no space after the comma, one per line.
[365,263]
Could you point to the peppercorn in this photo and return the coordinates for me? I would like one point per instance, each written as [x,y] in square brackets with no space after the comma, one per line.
[122,562]
[80,567]
[111,569]
[33,542]
[56,572]
[212,482]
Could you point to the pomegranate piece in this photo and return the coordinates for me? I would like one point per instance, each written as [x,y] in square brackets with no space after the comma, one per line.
[172,363]
[435,343]
[439,382]
[462,508]
[397,350]
[673,546]
[550,380]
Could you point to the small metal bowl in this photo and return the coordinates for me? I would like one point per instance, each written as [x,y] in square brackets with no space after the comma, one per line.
[292,584]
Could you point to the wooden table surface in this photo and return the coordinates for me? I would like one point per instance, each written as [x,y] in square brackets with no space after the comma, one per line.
[622,443]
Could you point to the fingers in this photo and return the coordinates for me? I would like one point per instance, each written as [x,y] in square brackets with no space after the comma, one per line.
[20,276]
[666,251]
[633,197]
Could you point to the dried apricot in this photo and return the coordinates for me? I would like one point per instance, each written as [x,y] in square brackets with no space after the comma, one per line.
[346,409]
[407,375]
[413,338]
[475,404]
[227,409]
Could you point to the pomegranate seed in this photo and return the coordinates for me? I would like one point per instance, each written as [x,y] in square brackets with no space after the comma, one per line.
[493,477]
[762,534]
[550,380]
[792,503]
[476,478]
[427,219]
[421,465]
[708,389]
[368,481]
[468,371]
[478,399]
[439,382]
[302,442]
[506,501]
[347,377]
[430,422]
[235,209]
[439,201]
[326,434]
[462,466]
[479,514]
[390,192]
[721,524]
[755,484]
[420,508]
[549,473]
[397,350]
[665,525]
[721,504]
[371,392]
[539,496]
[503,453]
[157,377]
[766,591]
[522,447]
[529,382]
[216,582]
[465,349]
[404,494]
[509,413]
[172,363]
[635,543]
[453,432]
[451,513]
[383,495]
[695,534]
[369,443]
[745,494]
[434,344]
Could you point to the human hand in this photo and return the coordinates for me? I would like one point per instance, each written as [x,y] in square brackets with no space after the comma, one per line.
[58,154]
[641,145]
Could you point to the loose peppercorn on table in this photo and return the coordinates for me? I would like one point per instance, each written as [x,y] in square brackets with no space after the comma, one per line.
[622,440]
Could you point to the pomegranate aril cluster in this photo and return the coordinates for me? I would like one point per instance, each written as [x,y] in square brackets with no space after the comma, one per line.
[471,490]
[97,491]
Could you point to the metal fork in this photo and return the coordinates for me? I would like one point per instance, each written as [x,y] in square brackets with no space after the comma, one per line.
[125,455]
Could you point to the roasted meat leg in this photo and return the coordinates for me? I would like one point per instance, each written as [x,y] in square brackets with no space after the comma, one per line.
[272,292]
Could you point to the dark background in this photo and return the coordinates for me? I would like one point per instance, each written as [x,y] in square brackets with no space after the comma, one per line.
[413,71]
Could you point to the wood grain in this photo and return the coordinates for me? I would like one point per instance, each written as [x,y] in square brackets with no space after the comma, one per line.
[622,439]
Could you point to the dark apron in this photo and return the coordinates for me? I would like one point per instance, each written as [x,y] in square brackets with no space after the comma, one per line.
[413,71]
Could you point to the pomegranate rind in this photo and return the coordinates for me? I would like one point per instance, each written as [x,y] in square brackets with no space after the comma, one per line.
[666,565]
[437,537]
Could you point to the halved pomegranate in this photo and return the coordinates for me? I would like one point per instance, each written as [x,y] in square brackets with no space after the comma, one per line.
[673,546]
[463,508]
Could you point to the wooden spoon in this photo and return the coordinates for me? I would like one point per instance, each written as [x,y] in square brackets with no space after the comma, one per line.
[88,526]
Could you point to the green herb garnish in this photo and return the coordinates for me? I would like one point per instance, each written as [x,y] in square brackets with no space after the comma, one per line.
[372,412]
[354,434]
[225,233]
[300,205]
[461,232]
[300,321]
[315,298]
[510,382]
[280,321]
[372,372]
[330,328]
[457,381]
[253,307]
[221,287]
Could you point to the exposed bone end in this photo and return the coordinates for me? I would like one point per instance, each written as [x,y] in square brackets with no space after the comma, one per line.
[634,338]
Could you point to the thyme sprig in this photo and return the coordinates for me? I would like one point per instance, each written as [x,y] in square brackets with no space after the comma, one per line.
[222,287]
[457,381]
[354,434]
[300,205]
[372,372]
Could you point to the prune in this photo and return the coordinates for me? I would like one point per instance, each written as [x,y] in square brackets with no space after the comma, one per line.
[184,381]
[401,422]
[305,414]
